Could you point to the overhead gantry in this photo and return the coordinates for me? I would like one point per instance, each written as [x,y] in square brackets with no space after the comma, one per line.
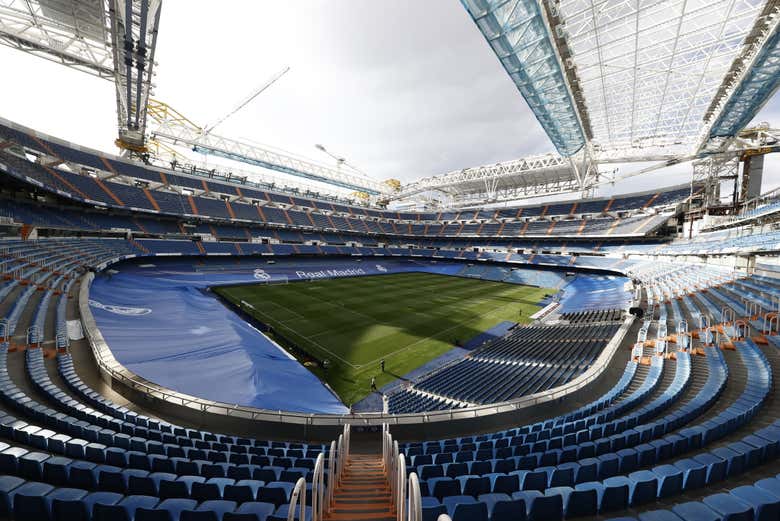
[110,39]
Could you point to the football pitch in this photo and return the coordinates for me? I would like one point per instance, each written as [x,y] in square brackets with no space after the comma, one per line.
[406,319]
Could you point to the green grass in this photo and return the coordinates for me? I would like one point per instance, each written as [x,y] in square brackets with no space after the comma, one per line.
[407,319]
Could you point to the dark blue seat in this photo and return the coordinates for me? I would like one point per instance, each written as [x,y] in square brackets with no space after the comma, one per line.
[30,502]
[166,510]
[579,502]
[694,510]
[771,485]
[7,485]
[694,473]
[474,485]
[615,494]
[124,510]
[729,507]
[670,480]
[432,508]
[501,507]
[275,492]
[212,510]
[470,512]
[659,515]
[211,489]
[250,511]
[64,509]
[242,491]
[443,487]
[766,506]
[451,502]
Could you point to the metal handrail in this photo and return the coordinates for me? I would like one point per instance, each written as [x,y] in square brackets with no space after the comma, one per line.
[331,472]
[415,498]
[318,488]
[298,494]
[400,480]
[33,335]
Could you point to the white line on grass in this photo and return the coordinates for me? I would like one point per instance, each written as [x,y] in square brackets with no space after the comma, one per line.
[308,339]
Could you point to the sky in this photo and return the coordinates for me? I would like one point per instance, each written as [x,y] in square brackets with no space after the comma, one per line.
[400,88]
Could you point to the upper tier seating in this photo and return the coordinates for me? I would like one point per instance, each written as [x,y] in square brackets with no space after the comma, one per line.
[179,195]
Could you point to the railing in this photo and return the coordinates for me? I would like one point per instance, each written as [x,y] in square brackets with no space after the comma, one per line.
[337,459]
[33,336]
[318,488]
[298,499]
[62,339]
[415,498]
[404,493]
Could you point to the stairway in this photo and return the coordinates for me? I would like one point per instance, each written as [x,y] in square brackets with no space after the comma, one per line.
[363,492]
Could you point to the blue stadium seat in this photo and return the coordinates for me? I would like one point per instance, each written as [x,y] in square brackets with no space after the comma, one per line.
[766,506]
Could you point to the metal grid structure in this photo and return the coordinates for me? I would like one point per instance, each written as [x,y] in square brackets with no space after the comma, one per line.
[111,39]
[640,76]
[521,178]
[175,129]
[519,34]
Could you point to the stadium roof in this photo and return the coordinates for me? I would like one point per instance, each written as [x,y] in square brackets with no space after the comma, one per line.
[609,81]
[632,80]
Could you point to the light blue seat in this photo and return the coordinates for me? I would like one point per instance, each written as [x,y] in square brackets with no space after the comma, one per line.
[766,506]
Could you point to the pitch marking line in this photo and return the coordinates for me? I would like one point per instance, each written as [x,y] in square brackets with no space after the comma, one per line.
[308,339]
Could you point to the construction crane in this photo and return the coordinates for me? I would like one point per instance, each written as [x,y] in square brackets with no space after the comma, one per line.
[341,161]
[255,93]
[174,129]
